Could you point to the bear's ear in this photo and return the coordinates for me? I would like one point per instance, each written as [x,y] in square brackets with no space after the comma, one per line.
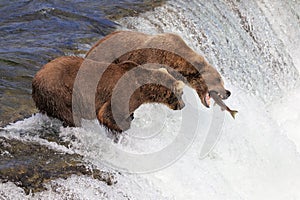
[179,85]
[128,65]
[163,70]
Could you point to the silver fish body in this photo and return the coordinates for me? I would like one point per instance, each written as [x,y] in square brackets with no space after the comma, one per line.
[218,100]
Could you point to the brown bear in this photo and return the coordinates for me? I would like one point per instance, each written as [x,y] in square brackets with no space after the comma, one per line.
[167,49]
[53,88]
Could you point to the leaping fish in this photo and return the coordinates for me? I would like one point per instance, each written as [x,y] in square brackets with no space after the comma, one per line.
[220,102]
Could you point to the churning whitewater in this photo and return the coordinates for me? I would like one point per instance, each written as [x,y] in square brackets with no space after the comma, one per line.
[257,154]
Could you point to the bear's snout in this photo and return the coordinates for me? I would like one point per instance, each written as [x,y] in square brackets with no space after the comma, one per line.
[228,93]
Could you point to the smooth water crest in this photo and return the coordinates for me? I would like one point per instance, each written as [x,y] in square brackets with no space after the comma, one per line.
[35,32]
[253,44]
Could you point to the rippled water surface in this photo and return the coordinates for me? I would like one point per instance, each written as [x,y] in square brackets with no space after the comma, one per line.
[35,31]
[253,44]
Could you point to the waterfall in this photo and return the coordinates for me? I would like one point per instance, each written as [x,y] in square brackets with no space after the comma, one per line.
[255,47]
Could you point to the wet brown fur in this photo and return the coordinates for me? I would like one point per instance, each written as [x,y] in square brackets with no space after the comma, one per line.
[53,89]
[53,84]
[168,49]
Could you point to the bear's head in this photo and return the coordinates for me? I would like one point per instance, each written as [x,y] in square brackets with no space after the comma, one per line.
[160,87]
[215,83]
[165,89]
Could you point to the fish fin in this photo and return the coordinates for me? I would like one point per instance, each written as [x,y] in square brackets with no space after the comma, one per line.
[233,113]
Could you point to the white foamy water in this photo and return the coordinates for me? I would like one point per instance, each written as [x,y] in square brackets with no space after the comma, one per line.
[254,46]
[257,51]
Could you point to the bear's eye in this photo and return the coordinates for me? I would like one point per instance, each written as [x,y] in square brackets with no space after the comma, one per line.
[221,81]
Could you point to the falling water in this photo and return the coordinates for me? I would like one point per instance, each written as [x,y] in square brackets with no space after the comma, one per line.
[255,46]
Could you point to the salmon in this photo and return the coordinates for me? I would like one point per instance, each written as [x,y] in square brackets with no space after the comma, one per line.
[218,100]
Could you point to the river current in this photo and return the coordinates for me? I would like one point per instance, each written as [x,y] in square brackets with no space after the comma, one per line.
[253,44]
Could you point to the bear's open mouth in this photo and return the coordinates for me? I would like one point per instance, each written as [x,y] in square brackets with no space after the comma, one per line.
[207,98]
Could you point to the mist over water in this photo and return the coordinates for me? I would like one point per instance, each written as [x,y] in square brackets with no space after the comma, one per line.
[255,47]
[235,37]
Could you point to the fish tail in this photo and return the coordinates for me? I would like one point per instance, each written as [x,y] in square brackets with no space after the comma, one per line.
[233,113]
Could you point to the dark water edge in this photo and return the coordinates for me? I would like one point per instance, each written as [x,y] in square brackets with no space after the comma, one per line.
[33,32]
[30,165]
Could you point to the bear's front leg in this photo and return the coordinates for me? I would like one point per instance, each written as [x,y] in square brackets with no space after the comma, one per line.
[114,121]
